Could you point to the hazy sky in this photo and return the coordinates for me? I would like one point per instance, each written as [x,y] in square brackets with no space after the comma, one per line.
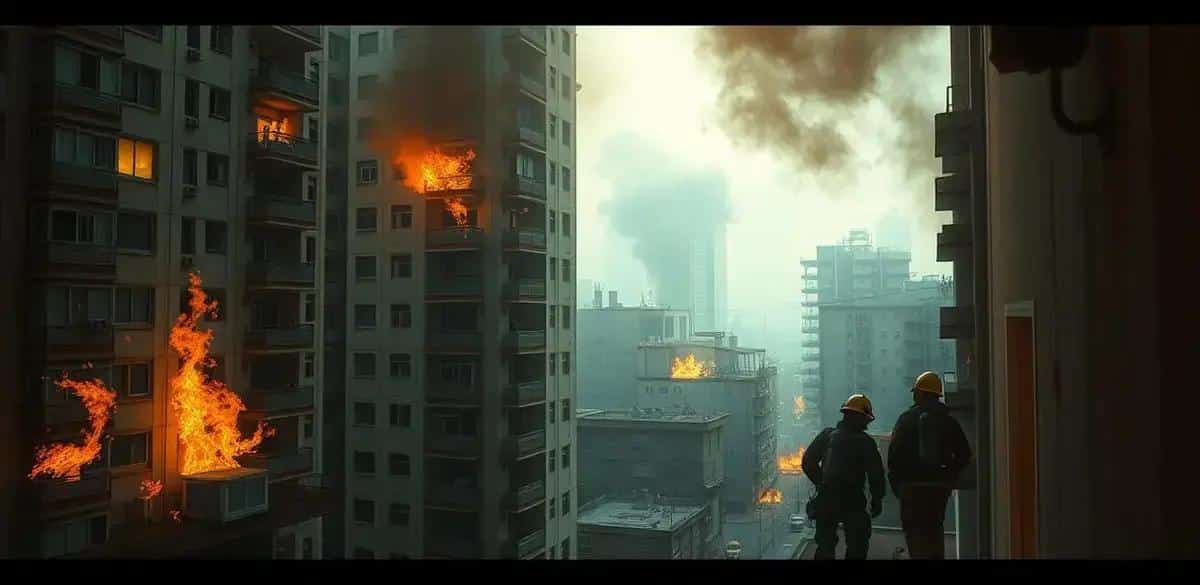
[650,83]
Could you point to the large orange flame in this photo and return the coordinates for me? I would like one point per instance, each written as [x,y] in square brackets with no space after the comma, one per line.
[690,368]
[798,406]
[789,463]
[149,488]
[207,409]
[429,169]
[771,496]
[458,209]
[274,130]
[64,460]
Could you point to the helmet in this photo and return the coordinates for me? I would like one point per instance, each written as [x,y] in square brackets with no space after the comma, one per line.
[929,382]
[860,404]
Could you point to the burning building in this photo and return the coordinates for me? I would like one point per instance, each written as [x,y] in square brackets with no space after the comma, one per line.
[136,166]
[455,157]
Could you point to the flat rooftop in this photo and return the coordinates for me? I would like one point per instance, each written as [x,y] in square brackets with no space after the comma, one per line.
[649,415]
[627,514]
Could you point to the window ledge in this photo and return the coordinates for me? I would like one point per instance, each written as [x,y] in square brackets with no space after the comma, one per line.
[148,398]
[134,252]
[128,470]
[134,326]
[133,179]
[213,116]
[150,109]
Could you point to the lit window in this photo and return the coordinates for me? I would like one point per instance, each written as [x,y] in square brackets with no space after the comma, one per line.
[135,158]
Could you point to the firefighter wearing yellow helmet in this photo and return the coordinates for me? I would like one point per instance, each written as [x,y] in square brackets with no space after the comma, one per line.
[839,462]
[927,454]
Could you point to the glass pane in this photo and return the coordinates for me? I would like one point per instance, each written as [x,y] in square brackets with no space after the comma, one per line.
[85,149]
[89,71]
[122,309]
[103,232]
[62,225]
[110,76]
[125,156]
[144,161]
[99,303]
[57,306]
[106,153]
[64,145]
[256,492]
[66,66]
[147,88]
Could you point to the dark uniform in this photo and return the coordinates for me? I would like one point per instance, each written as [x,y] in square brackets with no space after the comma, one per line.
[924,487]
[840,461]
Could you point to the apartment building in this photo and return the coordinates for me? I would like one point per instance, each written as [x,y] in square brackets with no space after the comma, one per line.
[644,527]
[457,331]
[134,155]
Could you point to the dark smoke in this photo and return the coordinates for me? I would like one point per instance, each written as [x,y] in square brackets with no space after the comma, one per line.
[660,205]
[770,73]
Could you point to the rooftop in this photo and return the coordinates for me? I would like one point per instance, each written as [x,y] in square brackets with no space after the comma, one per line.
[637,516]
[649,416]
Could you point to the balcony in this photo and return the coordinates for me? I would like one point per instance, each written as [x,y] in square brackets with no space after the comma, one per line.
[91,257]
[105,37]
[284,148]
[458,286]
[445,393]
[282,465]
[531,544]
[81,103]
[282,211]
[284,90]
[443,341]
[525,340]
[455,238]
[76,340]
[278,402]
[91,487]
[810,328]
[810,343]
[525,239]
[281,38]
[535,35]
[525,394]
[527,187]
[526,445]
[452,546]
[455,446]
[527,496]
[534,85]
[69,412]
[281,274]
[531,289]
[954,242]
[532,137]
[75,182]
[452,497]
[292,338]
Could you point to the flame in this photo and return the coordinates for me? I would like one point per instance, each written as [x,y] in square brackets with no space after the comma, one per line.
[176,515]
[64,460]
[427,168]
[458,209]
[771,496]
[690,368]
[274,130]
[149,488]
[798,407]
[789,463]
[207,409]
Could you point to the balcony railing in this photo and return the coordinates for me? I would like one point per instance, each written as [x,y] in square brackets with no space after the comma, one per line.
[455,286]
[525,393]
[272,78]
[90,486]
[266,208]
[534,34]
[525,340]
[532,543]
[281,273]
[452,546]
[294,337]
[108,37]
[532,136]
[527,444]
[525,288]
[61,413]
[447,393]
[73,98]
[455,237]
[97,181]
[440,495]
[81,254]
[452,445]
[91,338]
[280,400]
[529,187]
[311,32]
[529,493]
[531,238]
[443,341]
[282,464]
[285,147]
[530,84]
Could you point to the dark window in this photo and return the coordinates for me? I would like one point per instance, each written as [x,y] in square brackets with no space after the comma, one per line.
[187,235]
[364,511]
[365,219]
[566,179]
[398,464]
[566,87]
[133,379]
[566,548]
[221,39]
[566,270]
[402,266]
[566,224]
[402,216]
[566,134]
[364,462]
[550,501]
[553,82]
[215,237]
[566,316]
[366,86]
[134,305]
[552,219]
[553,122]
[310,364]
[566,362]
[368,44]
[218,169]
[364,267]
[218,103]
[129,450]
[193,39]
[566,503]
[400,415]
[140,85]
[135,231]
[566,409]
[566,42]
[191,98]
[552,464]
[553,174]
[400,365]
[368,172]
[154,31]
[550,411]
[364,412]
[550,312]
[306,547]
[364,316]
[366,126]
[553,263]
[398,515]
[191,167]
[402,316]
[550,362]
[566,458]
[364,366]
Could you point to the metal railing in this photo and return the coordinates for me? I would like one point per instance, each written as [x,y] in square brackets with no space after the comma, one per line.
[455,286]
[280,272]
[530,187]
[82,176]
[280,399]
[525,393]
[455,237]
[447,393]
[530,493]
[460,445]
[93,484]
[531,543]
[74,96]
[441,340]
[532,136]
[86,254]
[297,336]
[292,210]
[525,238]
[530,443]
[270,143]
[281,464]
[525,340]
[525,288]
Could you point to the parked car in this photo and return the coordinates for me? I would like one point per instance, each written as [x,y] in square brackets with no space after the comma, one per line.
[797,522]
[733,550]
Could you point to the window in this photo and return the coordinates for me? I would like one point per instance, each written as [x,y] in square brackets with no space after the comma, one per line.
[566,362]
[218,103]
[401,316]
[566,134]
[364,512]
[153,31]
[218,169]
[215,236]
[67,225]
[74,536]
[566,548]
[364,267]
[187,235]
[552,464]
[553,263]
[553,174]
[191,98]
[550,317]
[566,503]
[566,409]
[364,316]
[398,464]
[550,361]
[77,305]
[550,213]
[306,548]
[135,231]
[550,501]
[400,365]
[566,87]
[566,42]
[550,412]
[398,514]
[221,39]
[366,86]
[553,125]
[311,181]
[309,253]
[401,265]
[135,158]
[566,316]
[399,415]
[368,44]
[191,167]
[553,81]
[566,452]
[309,312]
[193,36]
[85,149]
[140,85]
[566,270]
[368,172]
[566,179]
[84,69]
[364,412]
[365,219]
[364,462]
[364,365]
[361,553]
[133,380]
[310,364]
[566,224]
[525,165]
[128,450]
[402,216]
[134,305]
[366,125]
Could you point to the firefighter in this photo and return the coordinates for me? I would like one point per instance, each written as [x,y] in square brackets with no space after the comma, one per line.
[839,462]
[927,454]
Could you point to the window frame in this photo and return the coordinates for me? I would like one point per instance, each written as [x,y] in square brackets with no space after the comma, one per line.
[370,165]
[133,159]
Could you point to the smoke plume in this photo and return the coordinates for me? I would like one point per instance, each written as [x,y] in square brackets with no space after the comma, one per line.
[789,90]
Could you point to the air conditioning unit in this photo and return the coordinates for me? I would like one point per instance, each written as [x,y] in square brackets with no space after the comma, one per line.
[189,191]
[225,495]
[191,122]
[186,263]
[193,54]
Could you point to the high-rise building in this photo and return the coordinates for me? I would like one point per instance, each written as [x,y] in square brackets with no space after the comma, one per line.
[458,333]
[134,155]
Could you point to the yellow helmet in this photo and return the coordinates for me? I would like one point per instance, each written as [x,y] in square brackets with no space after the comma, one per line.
[860,404]
[929,382]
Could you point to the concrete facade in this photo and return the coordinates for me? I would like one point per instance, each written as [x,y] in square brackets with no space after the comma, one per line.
[608,342]
[648,529]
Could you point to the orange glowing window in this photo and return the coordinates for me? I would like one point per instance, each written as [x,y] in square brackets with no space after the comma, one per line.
[135,158]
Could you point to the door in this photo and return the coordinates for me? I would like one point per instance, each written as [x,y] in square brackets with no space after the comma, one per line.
[1022,431]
